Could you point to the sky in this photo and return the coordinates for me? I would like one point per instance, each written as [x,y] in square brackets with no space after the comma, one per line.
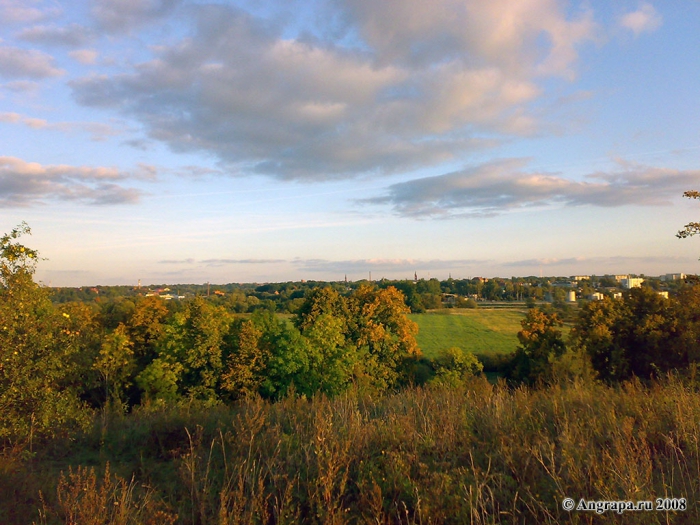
[181,141]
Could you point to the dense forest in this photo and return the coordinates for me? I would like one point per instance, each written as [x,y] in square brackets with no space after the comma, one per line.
[126,408]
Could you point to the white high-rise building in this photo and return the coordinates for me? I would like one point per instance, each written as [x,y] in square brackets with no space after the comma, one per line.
[631,282]
[673,277]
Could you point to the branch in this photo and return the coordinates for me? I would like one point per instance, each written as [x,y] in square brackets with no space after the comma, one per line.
[690,229]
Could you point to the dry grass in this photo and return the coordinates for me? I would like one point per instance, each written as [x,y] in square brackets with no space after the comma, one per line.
[479,454]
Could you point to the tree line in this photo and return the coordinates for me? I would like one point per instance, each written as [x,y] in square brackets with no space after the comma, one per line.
[420,295]
[642,334]
[59,362]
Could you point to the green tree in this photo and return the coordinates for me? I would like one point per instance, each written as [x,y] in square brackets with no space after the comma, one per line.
[383,335]
[245,361]
[160,381]
[146,326]
[492,290]
[431,286]
[331,359]
[115,363]
[366,337]
[236,302]
[82,323]
[558,297]
[430,301]
[116,311]
[318,302]
[413,299]
[540,342]
[686,308]
[286,353]
[193,339]
[642,335]
[39,373]
[453,366]
[316,358]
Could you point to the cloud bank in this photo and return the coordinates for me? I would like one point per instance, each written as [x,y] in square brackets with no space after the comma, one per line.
[355,266]
[29,183]
[98,131]
[21,63]
[399,85]
[505,185]
[221,262]
[122,16]
[73,35]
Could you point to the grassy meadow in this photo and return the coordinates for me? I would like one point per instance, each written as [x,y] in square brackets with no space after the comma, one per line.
[479,454]
[479,331]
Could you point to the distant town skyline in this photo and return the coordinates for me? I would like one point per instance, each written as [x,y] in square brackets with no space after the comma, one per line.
[244,141]
[567,280]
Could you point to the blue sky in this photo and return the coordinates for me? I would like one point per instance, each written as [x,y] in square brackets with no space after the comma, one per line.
[248,141]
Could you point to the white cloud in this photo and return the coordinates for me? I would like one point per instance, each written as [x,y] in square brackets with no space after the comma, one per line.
[25,11]
[73,35]
[220,262]
[501,186]
[22,63]
[224,262]
[16,118]
[119,16]
[21,86]
[27,183]
[177,261]
[600,265]
[86,57]
[506,34]
[547,262]
[361,266]
[644,19]
[10,117]
[426,83]
[591,262]
[98,130]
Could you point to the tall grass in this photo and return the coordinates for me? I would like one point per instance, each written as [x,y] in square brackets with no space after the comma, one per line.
[479,454]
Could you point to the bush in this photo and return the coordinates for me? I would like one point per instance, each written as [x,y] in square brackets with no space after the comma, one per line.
[463,302]
[453,366]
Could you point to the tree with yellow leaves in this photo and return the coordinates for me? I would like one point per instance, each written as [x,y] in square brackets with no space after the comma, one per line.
[39,376]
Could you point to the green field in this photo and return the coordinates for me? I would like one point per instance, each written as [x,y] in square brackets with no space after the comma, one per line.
[479,331]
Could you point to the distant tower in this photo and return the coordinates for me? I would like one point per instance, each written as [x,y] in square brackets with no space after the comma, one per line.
[415,276]
[139,284]
[346,278]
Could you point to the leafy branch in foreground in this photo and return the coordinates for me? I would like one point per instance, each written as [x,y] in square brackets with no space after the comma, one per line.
[692,228]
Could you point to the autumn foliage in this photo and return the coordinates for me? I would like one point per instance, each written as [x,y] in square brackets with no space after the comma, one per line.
[139,411]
